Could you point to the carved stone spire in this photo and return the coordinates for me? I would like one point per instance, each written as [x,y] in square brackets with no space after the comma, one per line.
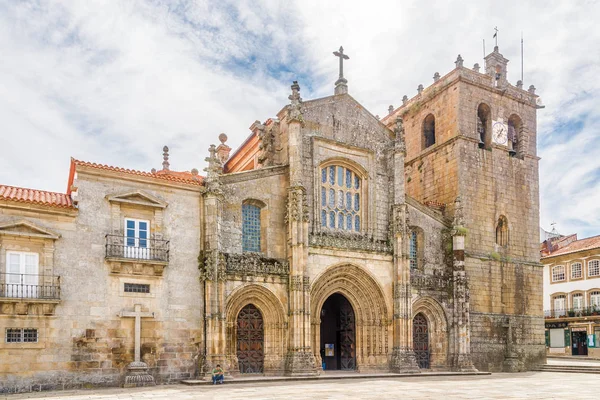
[165,163]
[420,89]
[294,109]
[213,171]
[436,77]
[390,109]
[404,99]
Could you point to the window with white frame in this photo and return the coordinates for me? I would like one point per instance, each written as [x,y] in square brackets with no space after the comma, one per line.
[594,268]
[22,273]
[341,194]
[577,301]
[576,270]
[595,299]
[21,335]
[558,273]
[559,305]
[137,244]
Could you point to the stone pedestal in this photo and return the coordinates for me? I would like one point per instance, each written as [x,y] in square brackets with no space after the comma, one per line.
[463,363]
[404,361]
[300,363]
[138,376]
[511,363]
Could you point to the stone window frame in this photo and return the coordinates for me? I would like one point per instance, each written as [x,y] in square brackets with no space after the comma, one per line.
[581,271]
[426,121]
[578,293]
[420,248]
[25,323]
[363,192]
[262,206]
[137,205]
[23,236]
[593,292]
[597,267]
[557,274]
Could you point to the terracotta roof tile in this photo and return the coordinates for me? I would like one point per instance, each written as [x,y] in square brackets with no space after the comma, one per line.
[33,196]
[173,176]
[577,245]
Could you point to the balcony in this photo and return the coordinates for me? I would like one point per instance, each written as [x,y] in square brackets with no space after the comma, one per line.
[29,294]
[573,312]
[136,255]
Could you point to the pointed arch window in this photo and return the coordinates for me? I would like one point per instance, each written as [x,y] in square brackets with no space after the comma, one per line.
[502,231]
[341,198]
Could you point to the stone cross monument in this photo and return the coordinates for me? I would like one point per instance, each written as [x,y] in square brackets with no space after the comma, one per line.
[137,374]
[341,86]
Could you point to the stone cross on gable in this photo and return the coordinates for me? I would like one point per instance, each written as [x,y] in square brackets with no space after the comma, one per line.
[340,84]
[138,314]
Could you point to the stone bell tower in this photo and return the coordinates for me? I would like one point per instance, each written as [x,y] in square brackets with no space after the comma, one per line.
[473,135]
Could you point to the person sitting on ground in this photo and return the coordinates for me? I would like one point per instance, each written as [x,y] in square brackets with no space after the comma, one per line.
[217,375]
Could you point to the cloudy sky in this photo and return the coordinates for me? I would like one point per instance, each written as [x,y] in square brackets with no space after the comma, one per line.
[114,81]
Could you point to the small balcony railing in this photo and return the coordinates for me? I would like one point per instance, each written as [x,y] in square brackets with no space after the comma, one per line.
[135,248]
[26,286]
[573,312]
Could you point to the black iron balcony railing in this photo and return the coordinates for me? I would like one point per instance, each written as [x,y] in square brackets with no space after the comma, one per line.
[26,286]
[573,312]
[119,246]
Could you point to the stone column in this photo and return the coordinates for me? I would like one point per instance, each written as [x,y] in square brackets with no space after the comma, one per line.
[300,359]
[403,356]
[212,266]
[461,318]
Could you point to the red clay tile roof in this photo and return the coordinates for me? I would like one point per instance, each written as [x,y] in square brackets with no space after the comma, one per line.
[578,245]
[173,176]
[33,196]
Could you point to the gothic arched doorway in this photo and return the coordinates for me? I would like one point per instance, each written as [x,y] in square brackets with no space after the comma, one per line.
[338,334]
[421,340]
[250,340]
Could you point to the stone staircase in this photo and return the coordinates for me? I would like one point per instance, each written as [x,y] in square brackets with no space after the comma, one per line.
[572,368]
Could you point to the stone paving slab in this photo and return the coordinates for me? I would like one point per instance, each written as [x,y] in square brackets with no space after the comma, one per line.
[529,385]
[328,376]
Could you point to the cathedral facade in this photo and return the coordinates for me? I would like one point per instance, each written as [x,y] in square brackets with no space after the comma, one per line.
[331,239]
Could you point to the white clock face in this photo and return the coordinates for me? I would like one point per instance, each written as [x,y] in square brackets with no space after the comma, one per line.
[500,133]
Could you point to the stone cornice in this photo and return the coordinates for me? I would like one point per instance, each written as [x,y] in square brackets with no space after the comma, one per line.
[39,209]
[338,240]
[112,175]
[243,176]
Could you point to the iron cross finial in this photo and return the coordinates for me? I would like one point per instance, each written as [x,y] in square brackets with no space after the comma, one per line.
[342,56]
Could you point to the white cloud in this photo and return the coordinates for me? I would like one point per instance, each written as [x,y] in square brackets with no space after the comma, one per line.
[113,82]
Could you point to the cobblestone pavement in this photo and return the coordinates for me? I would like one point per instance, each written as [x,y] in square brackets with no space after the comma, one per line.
[530,385]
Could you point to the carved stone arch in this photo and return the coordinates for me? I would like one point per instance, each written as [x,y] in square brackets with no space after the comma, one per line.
[275,325]
[438,329]
[371,308]
[346,162]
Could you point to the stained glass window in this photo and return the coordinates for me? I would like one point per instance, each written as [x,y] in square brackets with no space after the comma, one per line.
[340,198]
[250,228]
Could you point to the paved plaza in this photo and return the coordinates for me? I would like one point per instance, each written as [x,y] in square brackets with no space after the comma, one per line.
[530,385]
